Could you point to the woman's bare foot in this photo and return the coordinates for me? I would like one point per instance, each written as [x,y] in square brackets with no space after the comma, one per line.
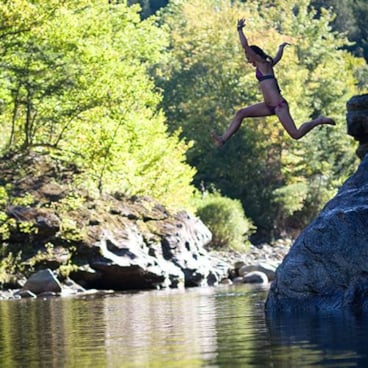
[325,120]
[219,141]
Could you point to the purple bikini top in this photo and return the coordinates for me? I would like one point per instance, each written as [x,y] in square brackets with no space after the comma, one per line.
[262,77]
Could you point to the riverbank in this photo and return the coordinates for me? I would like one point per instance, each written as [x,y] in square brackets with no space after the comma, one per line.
[268,253]
[106,241]
[263,258]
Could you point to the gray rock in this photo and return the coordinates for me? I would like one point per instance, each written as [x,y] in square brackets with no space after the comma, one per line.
[226,282]
[174,256]
[238,265]
[266,268]
[44,220]
[70,287]
[327,267]
[255,277]
[357,121]
[238,280]
[25,294]
[43,281]
[48,294]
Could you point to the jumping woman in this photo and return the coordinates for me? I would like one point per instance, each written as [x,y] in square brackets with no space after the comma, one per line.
[273,102]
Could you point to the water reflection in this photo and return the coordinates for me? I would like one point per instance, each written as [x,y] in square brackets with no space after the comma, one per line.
[213,327]
[318,339]
[166,328]
[50,332]
[152,329]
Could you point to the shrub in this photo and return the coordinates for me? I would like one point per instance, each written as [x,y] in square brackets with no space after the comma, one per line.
[226,220]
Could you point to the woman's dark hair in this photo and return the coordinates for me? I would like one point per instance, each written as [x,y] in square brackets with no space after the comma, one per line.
[261,53]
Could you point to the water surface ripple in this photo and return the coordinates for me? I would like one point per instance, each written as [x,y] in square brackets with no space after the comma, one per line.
[199,327]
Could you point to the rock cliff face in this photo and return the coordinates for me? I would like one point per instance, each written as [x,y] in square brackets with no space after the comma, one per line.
[327,266]
[134,244]
[153,250]
[357,120]
[106,242]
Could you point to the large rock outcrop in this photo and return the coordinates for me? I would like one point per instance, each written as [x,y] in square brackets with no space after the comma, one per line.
[134,243]
[146,251]
[357,121]
[327,266]
[101,242]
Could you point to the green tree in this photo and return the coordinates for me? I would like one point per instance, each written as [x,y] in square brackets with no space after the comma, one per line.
[226,220]
[75,82]
[206,81]
[351,18]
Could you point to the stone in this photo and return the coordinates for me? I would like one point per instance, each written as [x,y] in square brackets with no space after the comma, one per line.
[255,277]
[48,294]
[226,282]
[357,122]
[25,294]
[112,241]
[327,266]
[44,220]
[238,280]
[70,287]
[238,265]
[43,281]
[266,268]
[175,256]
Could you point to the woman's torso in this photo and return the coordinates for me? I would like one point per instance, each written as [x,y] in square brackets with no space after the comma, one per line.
[268,83]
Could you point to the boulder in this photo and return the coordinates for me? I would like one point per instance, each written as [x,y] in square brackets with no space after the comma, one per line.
[357,121]
[107,241]
[41,282]
[266,268]
[161,251]
[327,266]
[255,277]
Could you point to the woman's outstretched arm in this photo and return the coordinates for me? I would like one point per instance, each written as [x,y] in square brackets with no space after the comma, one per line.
[243,39]
[280,52]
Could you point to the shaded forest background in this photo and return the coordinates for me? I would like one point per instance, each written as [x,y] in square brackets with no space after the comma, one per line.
[289,181]
[351,18]
[129,93]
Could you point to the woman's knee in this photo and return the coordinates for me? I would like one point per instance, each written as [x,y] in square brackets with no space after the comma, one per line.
[241,114]
[295,134]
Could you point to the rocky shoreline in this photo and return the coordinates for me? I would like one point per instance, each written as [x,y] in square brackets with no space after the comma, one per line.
[268,253]
[256,266]
[71,242]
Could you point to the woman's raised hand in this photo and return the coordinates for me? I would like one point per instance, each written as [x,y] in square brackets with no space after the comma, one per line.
[241,23]
[285,44]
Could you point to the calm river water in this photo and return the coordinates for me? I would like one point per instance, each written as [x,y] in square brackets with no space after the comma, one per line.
[201,327]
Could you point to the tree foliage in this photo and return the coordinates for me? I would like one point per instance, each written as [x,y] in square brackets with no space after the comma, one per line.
[149,7]
[86,80]
[75,81]
[351,18]
[226,220]
[279,181]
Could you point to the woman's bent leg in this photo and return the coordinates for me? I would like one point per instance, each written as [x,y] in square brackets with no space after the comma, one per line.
[257,110]
[288,123]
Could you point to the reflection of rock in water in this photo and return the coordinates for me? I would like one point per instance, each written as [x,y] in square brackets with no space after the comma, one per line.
[327,267]
[147,327]
[336,339]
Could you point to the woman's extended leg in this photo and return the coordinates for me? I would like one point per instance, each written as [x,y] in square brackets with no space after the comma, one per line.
[288,123]
[256,110]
